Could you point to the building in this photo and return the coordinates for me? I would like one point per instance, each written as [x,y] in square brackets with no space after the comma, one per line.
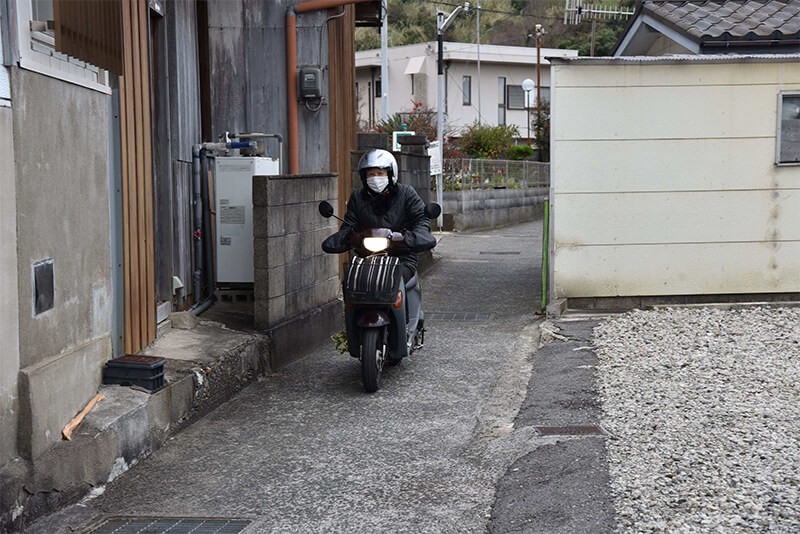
[413,77]
[675,178]
[716,27]
[101,104]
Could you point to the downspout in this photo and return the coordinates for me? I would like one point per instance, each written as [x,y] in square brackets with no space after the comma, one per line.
[200,200]
[291,70]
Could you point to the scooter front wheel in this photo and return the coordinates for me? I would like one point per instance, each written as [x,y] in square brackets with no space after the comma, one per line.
[371,359]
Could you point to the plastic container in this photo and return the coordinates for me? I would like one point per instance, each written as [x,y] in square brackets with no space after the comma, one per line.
[135,370]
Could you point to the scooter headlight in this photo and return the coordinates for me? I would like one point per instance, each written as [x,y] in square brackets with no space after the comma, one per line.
[376,244]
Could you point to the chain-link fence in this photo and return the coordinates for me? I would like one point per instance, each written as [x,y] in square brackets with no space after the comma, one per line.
[461,174]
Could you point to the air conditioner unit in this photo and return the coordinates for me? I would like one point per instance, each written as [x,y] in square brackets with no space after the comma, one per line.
[233,202]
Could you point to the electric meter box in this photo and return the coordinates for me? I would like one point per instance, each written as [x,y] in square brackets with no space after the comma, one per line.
[233,202]
[310,83]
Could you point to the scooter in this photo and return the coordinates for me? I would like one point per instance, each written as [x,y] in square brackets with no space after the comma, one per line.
[384,321]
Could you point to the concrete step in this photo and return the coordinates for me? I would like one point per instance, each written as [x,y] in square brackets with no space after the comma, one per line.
[205,366]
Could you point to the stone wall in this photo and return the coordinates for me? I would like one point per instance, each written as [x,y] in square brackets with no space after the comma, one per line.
[492,208]
[296,284]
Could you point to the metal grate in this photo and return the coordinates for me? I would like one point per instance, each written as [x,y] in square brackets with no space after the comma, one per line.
[570,430]
[500,253]
[442,316]
[170,525]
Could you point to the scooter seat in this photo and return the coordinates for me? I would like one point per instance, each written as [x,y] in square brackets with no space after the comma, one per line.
[411,284]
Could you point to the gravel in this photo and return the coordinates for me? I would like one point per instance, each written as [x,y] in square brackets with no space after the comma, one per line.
[703,406]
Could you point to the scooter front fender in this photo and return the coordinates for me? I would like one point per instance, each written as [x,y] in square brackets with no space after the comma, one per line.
[372,319]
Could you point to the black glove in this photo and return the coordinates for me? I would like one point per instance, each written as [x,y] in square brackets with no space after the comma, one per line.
[338,242]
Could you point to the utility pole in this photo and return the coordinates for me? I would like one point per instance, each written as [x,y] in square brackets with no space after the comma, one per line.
[442,24]
[384,62]
[539,32]
[478,32]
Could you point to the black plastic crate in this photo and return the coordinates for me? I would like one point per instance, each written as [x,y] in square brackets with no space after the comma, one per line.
[135,370]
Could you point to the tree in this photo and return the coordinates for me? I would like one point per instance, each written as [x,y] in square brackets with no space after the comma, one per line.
[541,129]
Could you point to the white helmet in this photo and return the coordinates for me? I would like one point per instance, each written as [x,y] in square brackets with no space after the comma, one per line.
[377,158]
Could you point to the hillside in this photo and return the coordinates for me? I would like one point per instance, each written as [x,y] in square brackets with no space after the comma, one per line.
[503,22]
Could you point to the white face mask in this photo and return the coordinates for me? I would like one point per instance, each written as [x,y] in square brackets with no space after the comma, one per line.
[378,183]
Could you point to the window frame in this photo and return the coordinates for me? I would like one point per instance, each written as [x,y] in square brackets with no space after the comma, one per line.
[37,53]
[508,96]
[466,96]
[778,161]
[502,119]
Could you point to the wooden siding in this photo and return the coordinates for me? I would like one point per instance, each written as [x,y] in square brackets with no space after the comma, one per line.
[137,179]
[341,46]
[90,31]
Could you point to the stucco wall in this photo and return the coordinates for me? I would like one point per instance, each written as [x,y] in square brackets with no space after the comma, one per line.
[9,301]
[664,180]
[61,151]
[664,45]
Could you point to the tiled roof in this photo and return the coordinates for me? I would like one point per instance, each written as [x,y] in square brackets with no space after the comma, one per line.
[729,20]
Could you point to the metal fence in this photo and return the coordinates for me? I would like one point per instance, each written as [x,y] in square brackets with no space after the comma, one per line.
[462,174]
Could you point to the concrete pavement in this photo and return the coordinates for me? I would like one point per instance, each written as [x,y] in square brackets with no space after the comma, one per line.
[454,442]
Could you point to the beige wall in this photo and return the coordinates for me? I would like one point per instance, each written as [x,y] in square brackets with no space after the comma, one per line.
[9,297]
[664,180]
[61,150]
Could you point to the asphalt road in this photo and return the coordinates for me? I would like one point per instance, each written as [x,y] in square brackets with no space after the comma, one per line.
[306,450]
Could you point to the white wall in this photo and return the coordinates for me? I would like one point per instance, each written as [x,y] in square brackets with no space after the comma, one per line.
[513,63]
[664,180]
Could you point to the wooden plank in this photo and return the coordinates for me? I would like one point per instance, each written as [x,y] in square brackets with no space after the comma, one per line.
[147,149]
[161,162]
[132,318]
[138,213]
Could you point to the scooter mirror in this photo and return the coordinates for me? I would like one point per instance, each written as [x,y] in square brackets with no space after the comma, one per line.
[433,210]
[325,209]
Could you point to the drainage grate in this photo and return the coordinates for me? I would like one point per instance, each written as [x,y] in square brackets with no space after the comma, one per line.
[570,430]
[171,525]
[442,316]
[499,253]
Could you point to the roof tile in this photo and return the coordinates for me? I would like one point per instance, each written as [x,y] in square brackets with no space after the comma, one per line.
[732,19]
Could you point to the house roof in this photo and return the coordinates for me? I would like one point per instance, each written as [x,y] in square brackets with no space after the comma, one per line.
[730,19]
[700,25]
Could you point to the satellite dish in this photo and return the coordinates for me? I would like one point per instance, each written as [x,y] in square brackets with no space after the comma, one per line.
[528,85]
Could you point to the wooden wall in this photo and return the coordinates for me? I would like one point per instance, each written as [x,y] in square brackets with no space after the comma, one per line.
[176,127]
[137,179]
[343,100]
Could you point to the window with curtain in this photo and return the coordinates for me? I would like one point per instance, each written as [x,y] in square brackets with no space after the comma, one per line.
[466,90]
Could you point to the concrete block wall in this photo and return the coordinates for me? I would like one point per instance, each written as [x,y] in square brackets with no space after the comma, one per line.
[491,208]
[293,275]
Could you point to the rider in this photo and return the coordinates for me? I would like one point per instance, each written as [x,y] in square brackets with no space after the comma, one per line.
[384,203]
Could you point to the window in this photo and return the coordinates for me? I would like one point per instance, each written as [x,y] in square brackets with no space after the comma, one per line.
[377,89]
[412,84]
[516,97]
[466,90]
[788,144]
[35,30]
[501,101]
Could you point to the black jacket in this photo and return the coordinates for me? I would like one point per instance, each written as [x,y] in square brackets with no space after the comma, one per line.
[401,211]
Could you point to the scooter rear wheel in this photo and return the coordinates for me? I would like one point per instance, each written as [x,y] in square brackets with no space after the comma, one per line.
[371,359]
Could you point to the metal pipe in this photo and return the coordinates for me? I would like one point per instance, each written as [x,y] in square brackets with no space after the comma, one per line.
[291,91]
[197,204]
[279,137]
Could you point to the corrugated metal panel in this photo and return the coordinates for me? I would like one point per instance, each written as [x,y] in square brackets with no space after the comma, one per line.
[664,182]
[681,217]
[90,31]
[677,269]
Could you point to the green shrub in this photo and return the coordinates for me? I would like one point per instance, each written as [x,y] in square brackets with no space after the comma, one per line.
[519,152]
[488,142]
